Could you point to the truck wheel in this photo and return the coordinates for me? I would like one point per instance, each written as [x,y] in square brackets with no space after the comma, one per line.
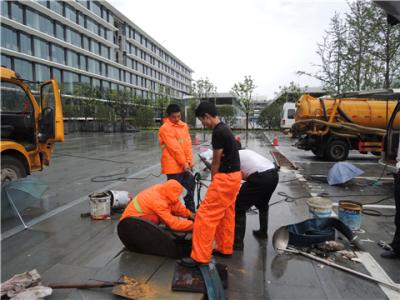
[11,168]
[337,150]
[318,152]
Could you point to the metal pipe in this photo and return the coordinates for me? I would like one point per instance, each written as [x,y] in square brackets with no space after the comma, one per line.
[329,263]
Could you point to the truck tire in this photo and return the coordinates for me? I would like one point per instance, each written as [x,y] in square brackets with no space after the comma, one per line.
[11,168]
[337,150]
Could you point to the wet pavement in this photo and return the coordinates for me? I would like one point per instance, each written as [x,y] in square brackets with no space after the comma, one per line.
[65,247]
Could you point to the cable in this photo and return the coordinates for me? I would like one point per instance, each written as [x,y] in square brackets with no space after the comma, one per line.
[92,158]
[122,178]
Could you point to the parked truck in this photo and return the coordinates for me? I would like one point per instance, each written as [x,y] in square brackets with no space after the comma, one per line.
[29,126]
[330,127]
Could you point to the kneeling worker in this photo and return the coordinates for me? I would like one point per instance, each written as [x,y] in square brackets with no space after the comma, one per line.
[160,202]
[261,178]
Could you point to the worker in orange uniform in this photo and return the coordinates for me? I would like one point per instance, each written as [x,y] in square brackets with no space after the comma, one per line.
[215,219]
[160,202]
[176,156]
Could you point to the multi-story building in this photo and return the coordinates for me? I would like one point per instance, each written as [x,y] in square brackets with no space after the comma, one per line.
[87,42]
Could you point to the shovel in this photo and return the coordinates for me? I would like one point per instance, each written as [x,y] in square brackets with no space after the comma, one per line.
[280,242]
[126,287]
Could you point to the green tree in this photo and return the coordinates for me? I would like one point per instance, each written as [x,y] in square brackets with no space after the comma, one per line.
[270,116]
[163,99]
[244,92]
[87,98]
[227,114]
[144,116]
[203,89]
[191,117]
[121,101]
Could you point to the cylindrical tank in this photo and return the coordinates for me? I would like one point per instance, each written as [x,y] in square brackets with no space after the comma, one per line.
[361,111]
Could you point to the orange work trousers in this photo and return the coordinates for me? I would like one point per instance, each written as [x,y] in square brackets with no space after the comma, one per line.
[215,218]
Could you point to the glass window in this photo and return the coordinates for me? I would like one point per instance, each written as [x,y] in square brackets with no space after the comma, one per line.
[109,35]
[45,25]
[60,31]
[58,54]
[94,66]
[81,19]
[14,99]
[42,72]
[110,18]
[25,43]
[70,13]
[8,38]
[82,62]
[4,8]
[85,79]
[96,8]
[16,12]
[6,61]
[85,3]
[41,48]
[92,25]
[94,47]
[32,19]
[105,87]
[103,69]
[70,80]
[56,74]
[57,6]
[105,51]
[23,68]
[72,59]
[86,44]
[73,37]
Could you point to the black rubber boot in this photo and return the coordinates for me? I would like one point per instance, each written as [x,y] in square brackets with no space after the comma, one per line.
[262,233]
[240,230]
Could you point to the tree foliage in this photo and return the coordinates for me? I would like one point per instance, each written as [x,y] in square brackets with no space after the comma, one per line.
[122,102]
[203,89]
[359,51]
[244,92]
[227,114]
[87,99]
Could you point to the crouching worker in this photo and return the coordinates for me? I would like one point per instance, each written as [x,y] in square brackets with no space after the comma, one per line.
[261,178]
[160,203]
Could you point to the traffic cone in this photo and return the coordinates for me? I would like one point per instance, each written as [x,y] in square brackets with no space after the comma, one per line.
[275,142]
[196,140]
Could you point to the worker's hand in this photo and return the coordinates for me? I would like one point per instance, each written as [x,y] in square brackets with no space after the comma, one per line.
[192,216]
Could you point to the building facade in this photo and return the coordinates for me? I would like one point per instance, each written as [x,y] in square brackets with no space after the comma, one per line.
[87,42]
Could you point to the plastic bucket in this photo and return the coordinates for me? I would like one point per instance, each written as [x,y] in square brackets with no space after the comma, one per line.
[119,199]
[350,214]
[319,207]
[99,206]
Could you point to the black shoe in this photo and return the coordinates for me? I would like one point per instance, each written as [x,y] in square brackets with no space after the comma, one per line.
[390,255]
[217,253]
[260,234]
[189,262]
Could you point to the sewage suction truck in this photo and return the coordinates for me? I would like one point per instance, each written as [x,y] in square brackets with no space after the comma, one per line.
[331,127]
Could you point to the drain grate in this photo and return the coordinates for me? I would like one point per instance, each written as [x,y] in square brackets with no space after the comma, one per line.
[282,160]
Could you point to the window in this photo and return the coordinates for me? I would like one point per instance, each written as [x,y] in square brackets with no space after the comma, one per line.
[57,6]
[85,3]
[72,59]
[41,48]
[6,61]
[96,8]
[82,62]
[85,79]
[105,51]
[70,13]
[290,113]
[81,19]
[59,31]
[42,72]
[4,8]
[45,25]
[56,74]
[103,69]
[86,44]
[32,19]
[92,25]
[14,99]
[8,38]
[58,54]
[70,80]
[73,37]
[16,12]
[109,35]
[24,68]
[94,47]
[96,83]
[25,43]
[94,66]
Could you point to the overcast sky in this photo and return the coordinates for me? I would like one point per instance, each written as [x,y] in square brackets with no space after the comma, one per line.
[225,40]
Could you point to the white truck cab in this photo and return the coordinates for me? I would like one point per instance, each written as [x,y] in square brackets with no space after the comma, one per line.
[287,119]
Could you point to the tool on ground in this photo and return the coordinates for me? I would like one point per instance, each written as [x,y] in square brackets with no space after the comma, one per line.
[280,243]
[215,290]
[126,287]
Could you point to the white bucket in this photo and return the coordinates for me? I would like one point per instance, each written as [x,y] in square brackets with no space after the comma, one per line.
[119,199]
[319,207]
[99,206]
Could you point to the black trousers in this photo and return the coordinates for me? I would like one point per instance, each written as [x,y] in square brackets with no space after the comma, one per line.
[257,191]
[187,180]
[396,239]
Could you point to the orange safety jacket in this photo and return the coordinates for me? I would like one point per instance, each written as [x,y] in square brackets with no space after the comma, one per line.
[176,146]
[161,200]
